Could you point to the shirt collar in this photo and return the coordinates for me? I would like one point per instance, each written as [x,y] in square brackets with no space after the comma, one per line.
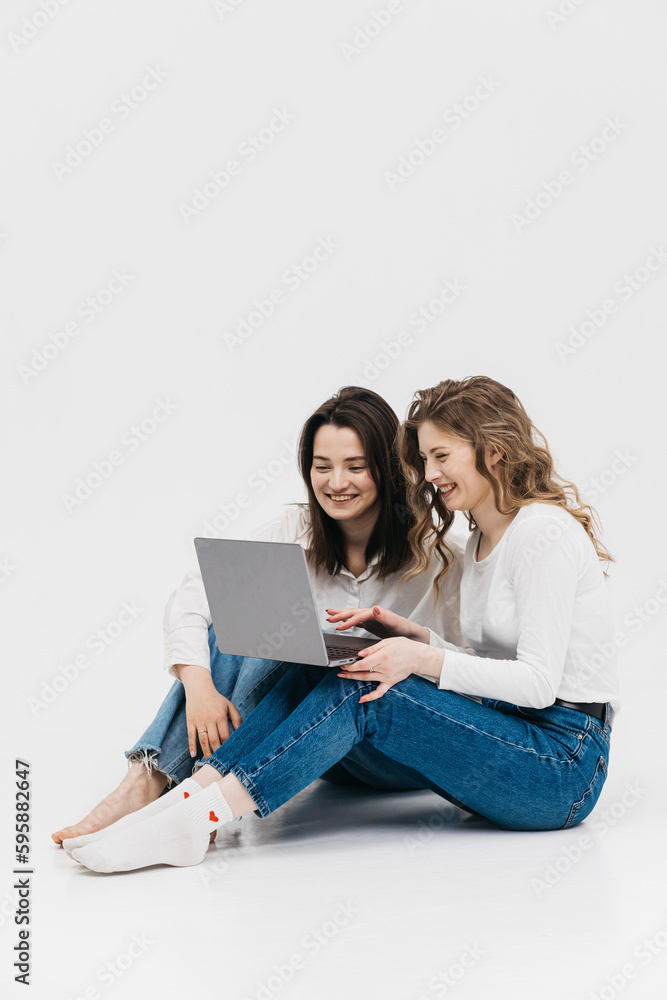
[367,572]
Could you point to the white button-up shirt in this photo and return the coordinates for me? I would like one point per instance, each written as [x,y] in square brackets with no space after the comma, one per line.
[187,616]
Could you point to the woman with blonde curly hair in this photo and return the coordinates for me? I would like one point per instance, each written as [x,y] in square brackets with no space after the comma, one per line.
[515,726]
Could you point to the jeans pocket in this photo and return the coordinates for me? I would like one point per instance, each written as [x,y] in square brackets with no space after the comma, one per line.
[602,733]
[566,733]
[583,806]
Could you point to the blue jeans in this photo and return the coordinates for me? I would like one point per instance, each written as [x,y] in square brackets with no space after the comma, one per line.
[243,680]
[521,768]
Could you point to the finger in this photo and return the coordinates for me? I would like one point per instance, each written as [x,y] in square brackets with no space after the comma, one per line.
[368,653]
[192,739]
[235,716]
[221,733]
[359,675]
[214,737]
[364,663]
[386,615]
[203,742]
[355,618]
[377,693]
[344,613]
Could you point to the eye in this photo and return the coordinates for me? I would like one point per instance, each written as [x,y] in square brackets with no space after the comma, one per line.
[357,468]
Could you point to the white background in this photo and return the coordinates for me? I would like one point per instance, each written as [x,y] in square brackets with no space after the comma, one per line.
[357,105]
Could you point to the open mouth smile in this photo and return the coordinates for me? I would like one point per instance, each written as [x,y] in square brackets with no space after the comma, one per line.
[447,489]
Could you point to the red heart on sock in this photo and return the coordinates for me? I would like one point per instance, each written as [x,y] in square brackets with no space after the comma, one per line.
[213,818]
[186,795]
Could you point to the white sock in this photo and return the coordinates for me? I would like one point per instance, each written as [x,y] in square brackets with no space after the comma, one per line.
[187,787]
[175,836]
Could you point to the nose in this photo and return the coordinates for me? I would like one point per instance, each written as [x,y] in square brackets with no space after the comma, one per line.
[338,479]
[431,471]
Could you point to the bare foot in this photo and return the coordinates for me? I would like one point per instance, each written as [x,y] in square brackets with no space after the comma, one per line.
[135,791]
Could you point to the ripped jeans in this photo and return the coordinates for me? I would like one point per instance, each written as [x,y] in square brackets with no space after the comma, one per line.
[245,682]
[241,679]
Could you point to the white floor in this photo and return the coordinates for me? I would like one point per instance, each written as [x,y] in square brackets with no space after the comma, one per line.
[408,897]
[343,893]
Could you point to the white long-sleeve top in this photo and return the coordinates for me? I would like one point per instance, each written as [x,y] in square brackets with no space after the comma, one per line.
[187,616]
[537,615]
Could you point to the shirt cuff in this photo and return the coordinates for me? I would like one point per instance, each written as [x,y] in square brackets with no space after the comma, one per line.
[188,645]
[436,640]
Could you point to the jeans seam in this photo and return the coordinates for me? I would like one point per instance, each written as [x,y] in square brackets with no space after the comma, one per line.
[579,804]
[217,764]
[250,788]
[604,733]
[483,732]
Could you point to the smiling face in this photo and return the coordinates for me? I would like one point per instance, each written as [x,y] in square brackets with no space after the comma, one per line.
[449,463]
[339,474]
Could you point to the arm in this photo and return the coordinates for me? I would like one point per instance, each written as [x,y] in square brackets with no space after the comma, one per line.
[193,676]
[544,584]
[185,626]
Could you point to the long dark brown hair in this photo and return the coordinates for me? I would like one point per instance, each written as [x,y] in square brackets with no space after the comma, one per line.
[371,417]
[483,412]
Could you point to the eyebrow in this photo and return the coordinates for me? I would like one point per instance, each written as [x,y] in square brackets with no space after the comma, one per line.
[438,447]
[357,458]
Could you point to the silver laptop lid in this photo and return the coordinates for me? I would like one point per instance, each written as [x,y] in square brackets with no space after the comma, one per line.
[261,600]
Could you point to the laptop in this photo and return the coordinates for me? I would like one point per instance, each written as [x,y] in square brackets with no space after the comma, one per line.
[261,602]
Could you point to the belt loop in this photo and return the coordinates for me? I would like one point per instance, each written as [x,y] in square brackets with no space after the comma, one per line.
[608,717]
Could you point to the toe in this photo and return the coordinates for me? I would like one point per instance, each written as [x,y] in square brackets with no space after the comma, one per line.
[90,859]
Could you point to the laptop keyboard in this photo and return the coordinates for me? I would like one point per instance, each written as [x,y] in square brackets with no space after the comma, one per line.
[341,652]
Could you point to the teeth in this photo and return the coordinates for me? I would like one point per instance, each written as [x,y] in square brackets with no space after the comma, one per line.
[340,499]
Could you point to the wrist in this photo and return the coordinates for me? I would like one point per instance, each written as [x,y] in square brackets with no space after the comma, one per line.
[420,633]
[431,661]
[193,676]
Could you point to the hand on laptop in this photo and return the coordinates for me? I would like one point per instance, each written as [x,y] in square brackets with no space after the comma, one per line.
[378,621]
[390,661]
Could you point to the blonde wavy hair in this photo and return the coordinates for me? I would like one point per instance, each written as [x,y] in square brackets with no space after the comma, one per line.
[483,412]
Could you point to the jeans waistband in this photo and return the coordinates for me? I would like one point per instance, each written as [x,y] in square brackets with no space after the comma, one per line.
[600,710]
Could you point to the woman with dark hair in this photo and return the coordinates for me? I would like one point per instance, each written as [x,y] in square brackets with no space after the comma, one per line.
[515,728]
[354,529]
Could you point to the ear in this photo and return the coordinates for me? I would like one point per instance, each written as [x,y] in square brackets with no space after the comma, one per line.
[493,454]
